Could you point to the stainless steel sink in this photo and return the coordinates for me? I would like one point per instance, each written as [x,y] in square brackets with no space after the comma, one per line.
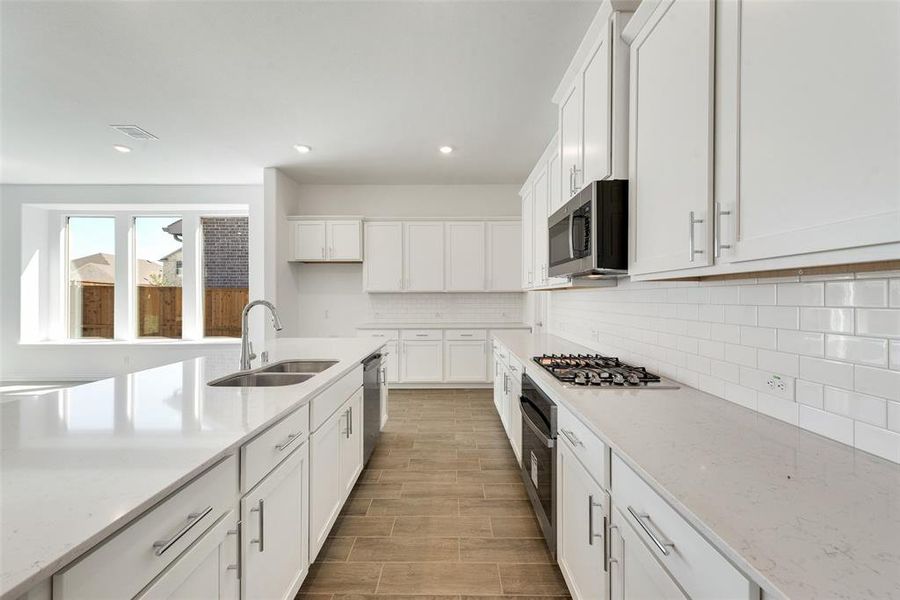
[299,366]
[261,379]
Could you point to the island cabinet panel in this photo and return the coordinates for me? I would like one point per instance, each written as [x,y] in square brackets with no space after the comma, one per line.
[634,573]
[261,454]
[209,569]
[275,538]
[131,559]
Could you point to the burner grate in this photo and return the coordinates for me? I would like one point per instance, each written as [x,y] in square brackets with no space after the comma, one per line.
[595,370]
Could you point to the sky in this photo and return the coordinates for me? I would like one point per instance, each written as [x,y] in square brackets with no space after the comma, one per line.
[89,235]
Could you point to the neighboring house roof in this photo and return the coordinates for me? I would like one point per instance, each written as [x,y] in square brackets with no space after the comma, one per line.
[176,254]
[100,268]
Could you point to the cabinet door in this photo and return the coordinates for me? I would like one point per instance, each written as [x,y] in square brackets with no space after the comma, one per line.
[804,163]
[275,538]
[670,172]
[570,132]
[515,417]
[540,235]
[344,240]
[422,361]
[208,569]
[635,574]
[504,255]
[392,362]
[581,517]
[499,384]
[554,178]
[383,264]
[424,256]
[596,142]
[309,240]
[465,360]
[326,495]
[351,453]
[503,408]
[464,257]
[528,238]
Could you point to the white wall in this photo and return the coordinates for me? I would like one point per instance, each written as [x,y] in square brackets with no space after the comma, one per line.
[328,299]
[86,361]
[833,342]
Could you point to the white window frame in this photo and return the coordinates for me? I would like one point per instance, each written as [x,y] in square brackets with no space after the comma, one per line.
[125,310]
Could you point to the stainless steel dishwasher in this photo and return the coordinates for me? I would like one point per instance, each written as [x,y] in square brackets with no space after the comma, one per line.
[371,404]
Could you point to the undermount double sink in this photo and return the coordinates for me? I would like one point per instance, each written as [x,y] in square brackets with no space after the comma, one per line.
[286,372]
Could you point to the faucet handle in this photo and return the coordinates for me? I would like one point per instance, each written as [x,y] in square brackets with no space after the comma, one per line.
[264,357]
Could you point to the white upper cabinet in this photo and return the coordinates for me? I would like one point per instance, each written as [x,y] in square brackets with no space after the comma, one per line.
[338,240]
[383,267]
[539,218]
[465,256]
[595,130]
[344,240]
[671,139]
[527,194]
[570,130]
[424,256]
[504,256]
[808,127]
[308,240]
[554,175]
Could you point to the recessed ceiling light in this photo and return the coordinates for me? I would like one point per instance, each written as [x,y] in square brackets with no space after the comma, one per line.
[446,149]
[122,149]
[302,148]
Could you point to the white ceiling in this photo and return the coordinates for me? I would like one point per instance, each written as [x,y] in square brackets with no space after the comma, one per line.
[228,87]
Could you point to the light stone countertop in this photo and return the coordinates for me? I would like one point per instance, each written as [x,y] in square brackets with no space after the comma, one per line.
[78,464]
[443,325]
[801,515]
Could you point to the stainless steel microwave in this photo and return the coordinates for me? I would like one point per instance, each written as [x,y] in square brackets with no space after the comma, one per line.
[589,234]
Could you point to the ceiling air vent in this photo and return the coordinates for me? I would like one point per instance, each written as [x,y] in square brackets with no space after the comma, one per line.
[134,132]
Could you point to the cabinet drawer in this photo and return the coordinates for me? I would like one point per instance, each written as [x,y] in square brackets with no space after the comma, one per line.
[465,334]
[421,334]
[123,565]
[261,454]
[698,567]
[390,334]
[501,354]
[515,367]
[589,449]
[323,405]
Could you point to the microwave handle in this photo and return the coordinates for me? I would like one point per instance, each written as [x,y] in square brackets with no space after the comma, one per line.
[571,238]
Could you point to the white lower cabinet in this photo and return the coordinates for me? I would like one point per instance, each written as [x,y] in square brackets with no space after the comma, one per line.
[464,360]
[514,426]
[207,570]
[335,463]
[634,573]
[421,361]
[581,518]
[275,538]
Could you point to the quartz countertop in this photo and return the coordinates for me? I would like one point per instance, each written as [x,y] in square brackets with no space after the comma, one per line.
[801,515]
[443,325]
[78,464]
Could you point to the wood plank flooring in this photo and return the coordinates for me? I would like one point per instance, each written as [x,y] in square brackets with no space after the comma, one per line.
[440,512]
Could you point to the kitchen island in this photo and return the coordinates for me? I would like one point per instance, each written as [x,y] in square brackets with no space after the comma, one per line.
[80,464]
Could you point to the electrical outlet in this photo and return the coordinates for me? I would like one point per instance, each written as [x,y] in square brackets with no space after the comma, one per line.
[776,383]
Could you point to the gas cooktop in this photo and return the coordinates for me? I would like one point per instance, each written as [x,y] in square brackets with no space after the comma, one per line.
[600,371]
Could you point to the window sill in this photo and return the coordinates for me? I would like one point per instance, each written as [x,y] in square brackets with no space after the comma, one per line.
[140,343]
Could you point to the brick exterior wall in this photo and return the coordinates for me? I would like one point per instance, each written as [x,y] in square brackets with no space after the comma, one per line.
[225,252]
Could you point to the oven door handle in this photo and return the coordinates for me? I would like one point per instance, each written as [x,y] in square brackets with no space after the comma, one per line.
[548,442]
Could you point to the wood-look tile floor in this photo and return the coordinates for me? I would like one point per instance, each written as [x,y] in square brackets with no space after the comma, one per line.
[439,512]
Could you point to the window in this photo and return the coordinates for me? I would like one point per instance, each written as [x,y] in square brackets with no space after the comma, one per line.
[158,276]
[91,277]
[226,268]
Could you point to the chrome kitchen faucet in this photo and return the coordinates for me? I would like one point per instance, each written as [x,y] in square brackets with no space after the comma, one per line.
[247,354]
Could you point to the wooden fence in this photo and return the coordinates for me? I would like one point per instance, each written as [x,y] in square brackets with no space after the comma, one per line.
[159,310]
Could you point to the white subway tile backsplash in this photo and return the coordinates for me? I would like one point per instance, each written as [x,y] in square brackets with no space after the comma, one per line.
[811,394]
[878,382]
[878,441]
[801,294]
[757,294]
[878,322]
[801,342]
[829,372]
[821,351]
[859,407]
[856,293]
[838,320]
[783,410]
[871,351]
[828,424]
[779,317]
[458,308]
[758,337]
